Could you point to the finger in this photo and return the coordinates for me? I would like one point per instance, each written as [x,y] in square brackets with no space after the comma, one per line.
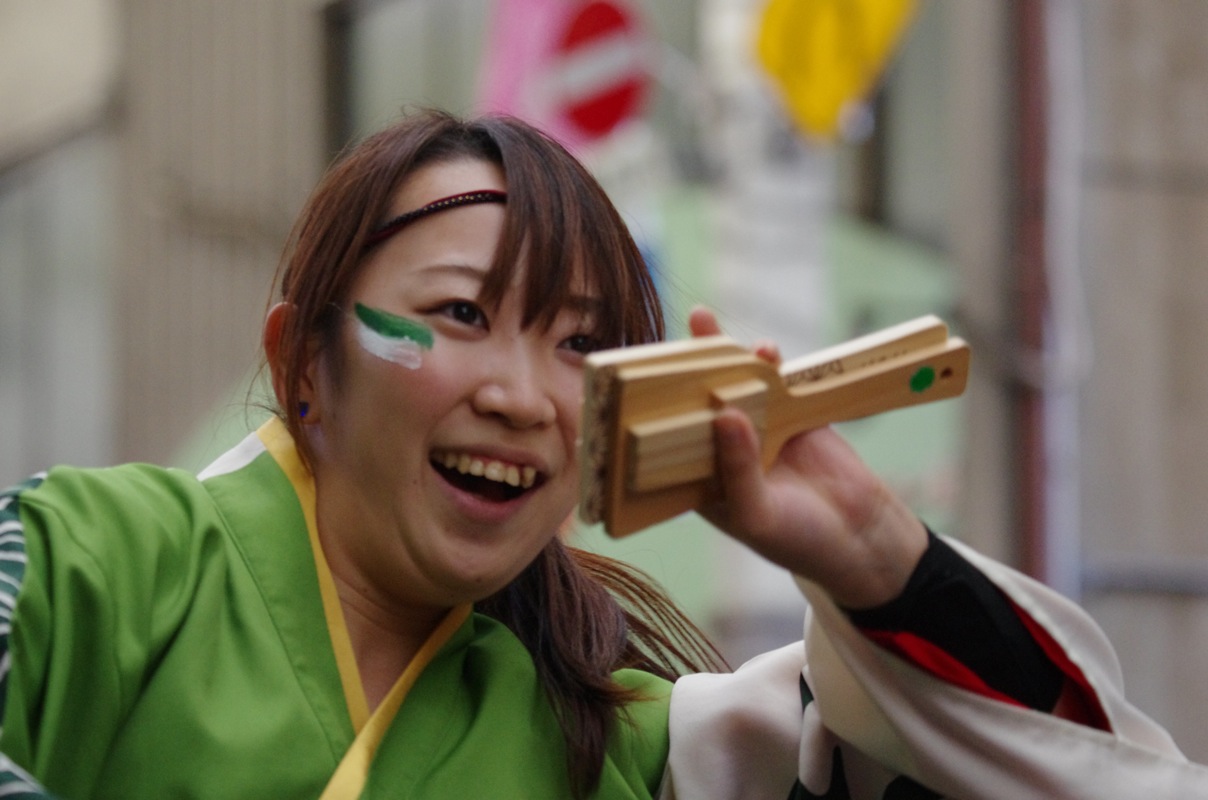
[768,350]
[739,464]
[703,322]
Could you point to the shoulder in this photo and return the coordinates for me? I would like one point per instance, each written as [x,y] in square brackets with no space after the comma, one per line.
[108,490]
[650,706]
[652,694]
[144,508]
[111,512]
[640,741]
[99,530]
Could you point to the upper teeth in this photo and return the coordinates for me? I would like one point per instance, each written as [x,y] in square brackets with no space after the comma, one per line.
[490,469]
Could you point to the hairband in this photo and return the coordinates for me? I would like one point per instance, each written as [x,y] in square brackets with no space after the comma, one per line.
[393,226]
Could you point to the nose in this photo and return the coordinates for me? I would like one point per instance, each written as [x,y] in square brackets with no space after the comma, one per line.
[516,389]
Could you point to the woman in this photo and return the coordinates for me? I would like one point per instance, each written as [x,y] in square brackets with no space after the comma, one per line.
[391,536]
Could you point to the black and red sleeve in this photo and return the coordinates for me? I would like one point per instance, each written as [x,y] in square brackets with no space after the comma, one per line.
[953,622]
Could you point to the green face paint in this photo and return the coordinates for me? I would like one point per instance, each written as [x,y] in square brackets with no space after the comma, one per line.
[392,337]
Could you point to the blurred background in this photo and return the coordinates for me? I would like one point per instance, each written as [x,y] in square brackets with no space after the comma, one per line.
[1033,171]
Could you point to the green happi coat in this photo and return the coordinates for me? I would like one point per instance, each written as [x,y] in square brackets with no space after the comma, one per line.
[169,636]
[170,640]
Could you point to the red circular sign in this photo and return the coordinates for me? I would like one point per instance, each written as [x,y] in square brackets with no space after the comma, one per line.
[600,68]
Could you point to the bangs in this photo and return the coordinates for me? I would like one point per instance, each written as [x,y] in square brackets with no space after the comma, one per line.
[561,226]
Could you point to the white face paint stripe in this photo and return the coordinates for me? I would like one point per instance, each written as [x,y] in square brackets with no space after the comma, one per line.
[404,352]
[390,337]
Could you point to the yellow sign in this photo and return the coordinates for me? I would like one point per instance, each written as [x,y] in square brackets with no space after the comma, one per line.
[826,55]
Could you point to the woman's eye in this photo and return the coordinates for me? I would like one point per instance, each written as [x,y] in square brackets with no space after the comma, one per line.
[581,343]
[464,312]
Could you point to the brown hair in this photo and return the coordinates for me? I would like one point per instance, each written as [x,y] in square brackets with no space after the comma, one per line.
[581,616]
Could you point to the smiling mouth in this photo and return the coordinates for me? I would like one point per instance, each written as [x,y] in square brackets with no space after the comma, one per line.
[492,480]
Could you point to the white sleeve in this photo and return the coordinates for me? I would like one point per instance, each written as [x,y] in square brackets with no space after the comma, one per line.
[736,735]
[878,718]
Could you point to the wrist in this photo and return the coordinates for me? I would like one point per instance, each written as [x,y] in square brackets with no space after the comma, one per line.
[889,548]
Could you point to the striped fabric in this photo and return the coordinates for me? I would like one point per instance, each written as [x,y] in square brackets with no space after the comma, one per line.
[15,783]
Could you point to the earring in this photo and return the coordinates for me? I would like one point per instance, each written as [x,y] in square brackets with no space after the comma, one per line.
[303,408]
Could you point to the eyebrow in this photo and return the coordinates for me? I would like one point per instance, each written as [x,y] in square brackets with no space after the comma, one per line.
[477,274]
[587,303]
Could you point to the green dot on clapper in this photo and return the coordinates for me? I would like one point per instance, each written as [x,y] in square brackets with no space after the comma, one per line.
[921,381]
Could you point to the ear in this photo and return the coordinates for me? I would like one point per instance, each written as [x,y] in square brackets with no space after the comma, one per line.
[274,325]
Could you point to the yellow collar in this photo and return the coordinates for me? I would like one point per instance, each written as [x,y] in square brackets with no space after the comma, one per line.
[349,777]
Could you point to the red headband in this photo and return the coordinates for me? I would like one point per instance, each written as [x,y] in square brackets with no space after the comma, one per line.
[392,226]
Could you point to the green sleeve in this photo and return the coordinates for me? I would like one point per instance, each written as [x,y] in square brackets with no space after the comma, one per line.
[76,664]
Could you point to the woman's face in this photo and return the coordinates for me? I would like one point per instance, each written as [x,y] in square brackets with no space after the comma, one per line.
[445,445]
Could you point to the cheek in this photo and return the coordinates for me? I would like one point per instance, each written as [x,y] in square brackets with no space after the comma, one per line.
[387,397]
[442,377]
[415,401]
[569,401]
